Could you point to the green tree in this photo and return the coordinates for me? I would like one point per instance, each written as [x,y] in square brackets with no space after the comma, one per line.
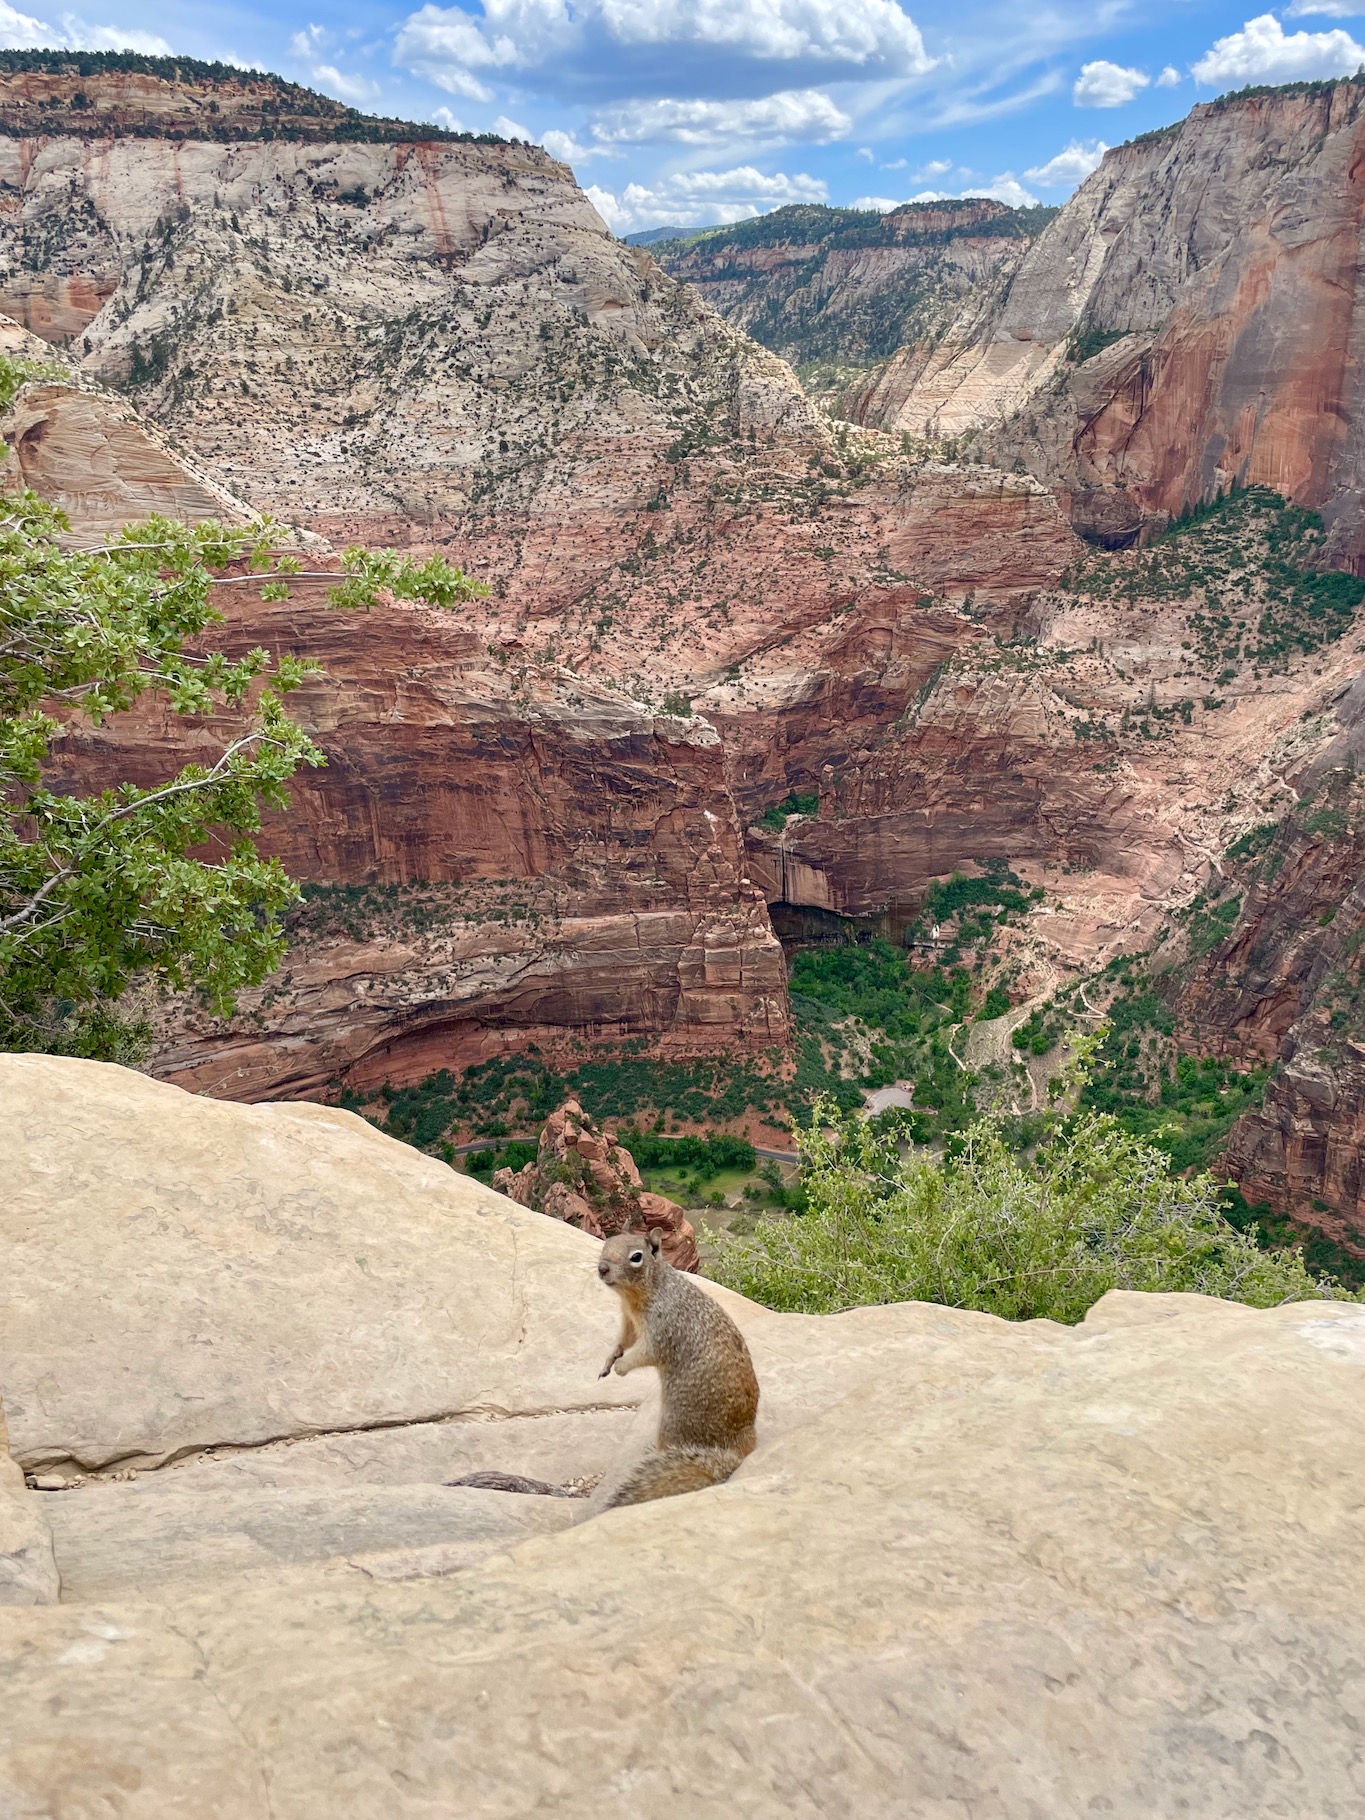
[1096,1209]
[99,891]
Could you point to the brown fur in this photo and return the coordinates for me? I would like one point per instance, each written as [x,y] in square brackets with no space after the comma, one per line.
[710,1392]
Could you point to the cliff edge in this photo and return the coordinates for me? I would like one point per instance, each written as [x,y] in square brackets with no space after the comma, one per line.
[971,1567]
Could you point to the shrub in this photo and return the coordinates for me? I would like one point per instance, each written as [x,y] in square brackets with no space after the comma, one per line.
[1097,1209]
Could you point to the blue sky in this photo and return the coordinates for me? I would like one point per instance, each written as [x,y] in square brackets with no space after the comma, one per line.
[695,111]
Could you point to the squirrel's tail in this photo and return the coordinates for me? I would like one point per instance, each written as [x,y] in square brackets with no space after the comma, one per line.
[665,1473]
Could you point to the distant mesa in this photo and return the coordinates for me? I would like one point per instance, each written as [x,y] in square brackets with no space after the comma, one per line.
[90,94]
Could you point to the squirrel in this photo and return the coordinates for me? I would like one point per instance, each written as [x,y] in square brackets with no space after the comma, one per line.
[710,1392]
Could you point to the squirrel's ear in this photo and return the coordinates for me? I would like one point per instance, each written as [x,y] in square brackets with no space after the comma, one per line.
[656,1240]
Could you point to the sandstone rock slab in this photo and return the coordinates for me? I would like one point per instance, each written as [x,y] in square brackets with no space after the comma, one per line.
[135,1540]
[555,1448]
[181,1273]
[1009,1571]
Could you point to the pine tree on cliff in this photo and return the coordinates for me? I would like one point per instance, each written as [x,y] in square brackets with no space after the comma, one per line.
[101,892]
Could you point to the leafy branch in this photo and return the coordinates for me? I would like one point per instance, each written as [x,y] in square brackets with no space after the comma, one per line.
[98,891]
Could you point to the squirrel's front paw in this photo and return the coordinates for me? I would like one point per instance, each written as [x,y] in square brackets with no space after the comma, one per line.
[606,1369]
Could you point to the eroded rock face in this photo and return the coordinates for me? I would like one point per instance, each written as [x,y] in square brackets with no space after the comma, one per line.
[580,858]
[583,1176]
[1184,326]
[963,1543]
[28,1567]
[837,295]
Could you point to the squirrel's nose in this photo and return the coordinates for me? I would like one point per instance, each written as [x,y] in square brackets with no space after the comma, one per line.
[603,1268]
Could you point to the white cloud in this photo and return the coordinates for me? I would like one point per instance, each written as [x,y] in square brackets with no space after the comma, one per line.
[1005,188]
[1069,167]
[332,81]
[1329,9]
[866,151]
[847,31]
[936,167]
[442,116]
[567,149]
[513,129]
[803,114]
[1107,84]
[650,46]
[1264,52]
[310,47]
[698,198]
[85,37]
[968,110]
[1170,77]
[21,32]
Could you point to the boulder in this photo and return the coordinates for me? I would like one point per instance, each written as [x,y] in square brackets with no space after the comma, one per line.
[585,1177]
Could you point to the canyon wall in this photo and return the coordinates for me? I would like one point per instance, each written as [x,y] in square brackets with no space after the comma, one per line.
[438,342]
[838,291]
[1190,322]
[542,816]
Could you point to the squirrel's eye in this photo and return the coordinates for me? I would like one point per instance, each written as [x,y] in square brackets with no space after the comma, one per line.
[637,1257]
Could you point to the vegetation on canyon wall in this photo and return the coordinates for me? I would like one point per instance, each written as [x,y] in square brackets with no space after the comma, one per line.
[268,106]
[1248,569]
[98,892]
[1095,1208]
[837,291]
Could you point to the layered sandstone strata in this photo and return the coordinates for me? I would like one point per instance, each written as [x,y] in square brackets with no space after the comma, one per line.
[1187,324]
[837,291]
[542,859]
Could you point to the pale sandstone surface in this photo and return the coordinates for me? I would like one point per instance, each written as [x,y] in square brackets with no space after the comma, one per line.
[182,1273]
[95,456]
[28,1569]
[991,1569]
[554,1448]
[132,1540]
[972,1566]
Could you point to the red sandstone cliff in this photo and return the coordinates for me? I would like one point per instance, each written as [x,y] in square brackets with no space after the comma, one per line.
[1188,323]
[523,833]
